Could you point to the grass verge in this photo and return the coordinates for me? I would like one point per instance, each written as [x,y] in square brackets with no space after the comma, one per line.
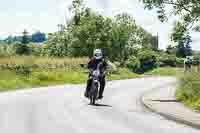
[188,90]
[43,77]
[163,71]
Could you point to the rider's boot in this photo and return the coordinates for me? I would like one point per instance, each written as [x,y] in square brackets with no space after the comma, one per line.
[102,86]
[100,97]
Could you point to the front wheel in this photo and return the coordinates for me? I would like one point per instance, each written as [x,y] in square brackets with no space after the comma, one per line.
[93,93]
[92,100]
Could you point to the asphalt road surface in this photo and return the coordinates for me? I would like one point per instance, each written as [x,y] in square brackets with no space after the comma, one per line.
[63,109]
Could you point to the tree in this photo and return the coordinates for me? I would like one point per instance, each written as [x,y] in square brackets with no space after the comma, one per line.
[122,30]
[182,37]
[9,39]
[179,32]
[186,10]
[88,30]
[58,44]
[180,49]
[184,47]
[92,32]
[25,38]
[23,49]
[77,9]
[187,13]
[188,47]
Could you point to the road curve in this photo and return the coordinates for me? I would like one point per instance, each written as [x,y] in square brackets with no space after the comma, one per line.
[63,109]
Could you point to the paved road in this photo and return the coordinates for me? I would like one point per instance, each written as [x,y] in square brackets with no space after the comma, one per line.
[63,109]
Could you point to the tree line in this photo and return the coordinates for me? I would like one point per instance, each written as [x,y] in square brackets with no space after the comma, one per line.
[37,37]
[120,38]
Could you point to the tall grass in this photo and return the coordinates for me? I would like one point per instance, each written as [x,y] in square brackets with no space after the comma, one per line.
[29,71]
[188,91]
[41,62]
[30,60]
[41,77]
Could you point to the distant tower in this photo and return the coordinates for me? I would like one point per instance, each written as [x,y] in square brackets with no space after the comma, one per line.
[61,28]
[155,42]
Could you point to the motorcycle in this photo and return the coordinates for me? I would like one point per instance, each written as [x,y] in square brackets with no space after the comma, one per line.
[94,90]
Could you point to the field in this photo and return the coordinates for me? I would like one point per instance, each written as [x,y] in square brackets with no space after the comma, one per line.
[28,72]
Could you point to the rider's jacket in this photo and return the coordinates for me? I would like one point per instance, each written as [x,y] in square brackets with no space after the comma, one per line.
[93,63]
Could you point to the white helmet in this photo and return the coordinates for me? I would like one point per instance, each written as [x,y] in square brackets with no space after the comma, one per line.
[98,54]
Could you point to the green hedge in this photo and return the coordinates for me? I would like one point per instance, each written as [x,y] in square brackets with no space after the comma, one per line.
[146,60]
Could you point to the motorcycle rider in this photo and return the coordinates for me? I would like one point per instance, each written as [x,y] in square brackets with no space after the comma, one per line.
[92,65]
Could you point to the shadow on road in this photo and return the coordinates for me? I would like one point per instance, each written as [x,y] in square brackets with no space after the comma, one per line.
[101,105]
[164,100]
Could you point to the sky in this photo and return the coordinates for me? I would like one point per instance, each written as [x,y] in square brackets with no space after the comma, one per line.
[45,15]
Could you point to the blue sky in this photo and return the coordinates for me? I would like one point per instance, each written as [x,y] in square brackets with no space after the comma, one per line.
[45,15]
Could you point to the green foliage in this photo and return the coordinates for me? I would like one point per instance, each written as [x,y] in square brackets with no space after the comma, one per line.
[183,48]
[57,45]
[148,60]
[182,37]
[22,49]
[187,11]
[133,64]
[196,58]
[171,50]
[189,90]
[187,15]
[167,60]
[179,32]
[92,32]
[25,38]
[179,61]
[145,60]
[119,37]
[7,50]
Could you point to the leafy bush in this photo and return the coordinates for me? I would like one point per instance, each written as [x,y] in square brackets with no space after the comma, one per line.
[23,49]
[133,64]
[37,49]
[167,60]
[147,59]
[196,59]
[7,50]
[179,62]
